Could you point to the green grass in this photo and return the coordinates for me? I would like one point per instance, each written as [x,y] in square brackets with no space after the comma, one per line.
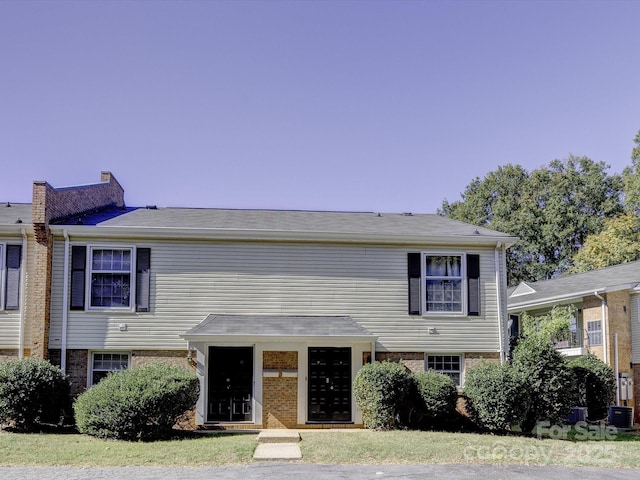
[327,447]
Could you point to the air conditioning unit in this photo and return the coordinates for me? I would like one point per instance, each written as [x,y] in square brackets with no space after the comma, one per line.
[578,414]
[621,417]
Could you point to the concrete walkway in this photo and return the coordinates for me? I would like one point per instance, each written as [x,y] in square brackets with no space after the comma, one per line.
[278,445]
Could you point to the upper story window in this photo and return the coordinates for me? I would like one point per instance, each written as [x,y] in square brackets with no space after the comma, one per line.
[106,277]
[111,278]
[444,283]
[594,332]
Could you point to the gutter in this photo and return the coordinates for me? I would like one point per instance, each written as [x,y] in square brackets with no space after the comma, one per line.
[23,273]
[65,305]
[501,332]
[605,337]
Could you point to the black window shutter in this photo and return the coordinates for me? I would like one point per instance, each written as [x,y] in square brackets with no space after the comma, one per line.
[14,254]
[78,267]
[143,279]
[473,283]
[414,275]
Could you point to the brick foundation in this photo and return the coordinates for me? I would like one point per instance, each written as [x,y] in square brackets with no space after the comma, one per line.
[414,361]
[8,354]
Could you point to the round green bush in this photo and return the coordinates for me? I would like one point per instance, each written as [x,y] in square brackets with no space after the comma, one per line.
[138,404]
[595,384]
[380,390]
[437,396]
[32,392]
[493,394]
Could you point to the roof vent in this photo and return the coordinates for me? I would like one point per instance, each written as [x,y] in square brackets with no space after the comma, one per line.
[19,220]
[8,204]
[407,214]
[151,207]
[476,232]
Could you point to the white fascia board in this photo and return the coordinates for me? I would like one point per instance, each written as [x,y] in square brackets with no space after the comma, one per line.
[311,339]
[261,235]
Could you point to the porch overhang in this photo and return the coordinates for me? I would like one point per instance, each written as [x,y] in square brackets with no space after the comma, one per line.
[280,328]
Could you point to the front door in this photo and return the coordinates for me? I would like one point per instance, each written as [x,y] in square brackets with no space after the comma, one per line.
[230,384]
[330,384]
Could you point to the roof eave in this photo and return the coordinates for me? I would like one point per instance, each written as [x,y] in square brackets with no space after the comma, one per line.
[275,235]
[207,338]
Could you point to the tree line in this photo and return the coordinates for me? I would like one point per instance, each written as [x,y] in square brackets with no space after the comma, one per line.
[571,215]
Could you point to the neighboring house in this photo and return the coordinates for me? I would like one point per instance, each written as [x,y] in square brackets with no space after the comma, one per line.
[276,310]
[15,221]
[606,322]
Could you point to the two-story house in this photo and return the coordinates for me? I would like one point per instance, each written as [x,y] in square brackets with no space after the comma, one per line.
[606,322]
[276,310]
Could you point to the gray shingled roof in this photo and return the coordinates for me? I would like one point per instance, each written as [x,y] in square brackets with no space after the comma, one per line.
[277,326]
[287,221]
[11,212]
[614,278]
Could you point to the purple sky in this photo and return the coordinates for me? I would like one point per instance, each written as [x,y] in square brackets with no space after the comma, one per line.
[326,105]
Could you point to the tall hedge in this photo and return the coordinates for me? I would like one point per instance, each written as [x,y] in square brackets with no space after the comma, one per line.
[549,385]
[32,392]
[595,385]
[380,390]
[138,404]
[437,397]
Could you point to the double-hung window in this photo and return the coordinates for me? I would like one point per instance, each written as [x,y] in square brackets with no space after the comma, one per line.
[104,363]
[111,276]
[442,283]
[594,332]
[450,365]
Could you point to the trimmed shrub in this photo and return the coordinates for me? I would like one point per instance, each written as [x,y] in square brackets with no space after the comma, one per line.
[595,385]
[549,392]
[32,392]
[437,396]
[138,404]
[380,390]
[493,394]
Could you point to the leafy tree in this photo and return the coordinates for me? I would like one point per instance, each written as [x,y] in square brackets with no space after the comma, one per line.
[552,210]
[552,327]
[618,243]
[631,177]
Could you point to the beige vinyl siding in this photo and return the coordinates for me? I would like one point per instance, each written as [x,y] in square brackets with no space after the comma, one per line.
[190,280]
[635,328]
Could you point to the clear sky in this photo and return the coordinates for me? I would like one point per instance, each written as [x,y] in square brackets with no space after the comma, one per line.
[386,106]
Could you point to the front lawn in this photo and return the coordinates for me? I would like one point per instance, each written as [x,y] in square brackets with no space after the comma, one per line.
[326,447]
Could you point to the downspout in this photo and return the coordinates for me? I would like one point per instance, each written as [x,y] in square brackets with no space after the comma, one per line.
[373,351]
[616,370]
[605,337]
[499,295]
[23,273]
[65,305]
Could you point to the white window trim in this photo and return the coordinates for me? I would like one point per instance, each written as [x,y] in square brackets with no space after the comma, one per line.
[587,331]
[453,354]
[132,279]
[423,282]
[102,352]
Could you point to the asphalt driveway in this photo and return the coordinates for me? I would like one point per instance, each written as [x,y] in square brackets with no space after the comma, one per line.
[291,471]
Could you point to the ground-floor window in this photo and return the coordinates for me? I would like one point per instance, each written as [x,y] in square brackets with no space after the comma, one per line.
[450,365]
[594,332]
[103,363]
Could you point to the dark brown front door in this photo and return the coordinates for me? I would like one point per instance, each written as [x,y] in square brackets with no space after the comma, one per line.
[230,384]
[330,384]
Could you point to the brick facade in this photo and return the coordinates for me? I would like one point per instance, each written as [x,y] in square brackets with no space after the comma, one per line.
[48,204]
[414,361]
[279,392]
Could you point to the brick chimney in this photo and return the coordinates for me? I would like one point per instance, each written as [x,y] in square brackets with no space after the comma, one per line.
[49,204]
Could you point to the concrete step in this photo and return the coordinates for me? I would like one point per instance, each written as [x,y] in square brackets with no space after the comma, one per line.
[277,451]
[278,436]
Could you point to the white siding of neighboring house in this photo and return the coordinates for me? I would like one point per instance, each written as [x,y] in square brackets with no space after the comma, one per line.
[192,279]
[635,328]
